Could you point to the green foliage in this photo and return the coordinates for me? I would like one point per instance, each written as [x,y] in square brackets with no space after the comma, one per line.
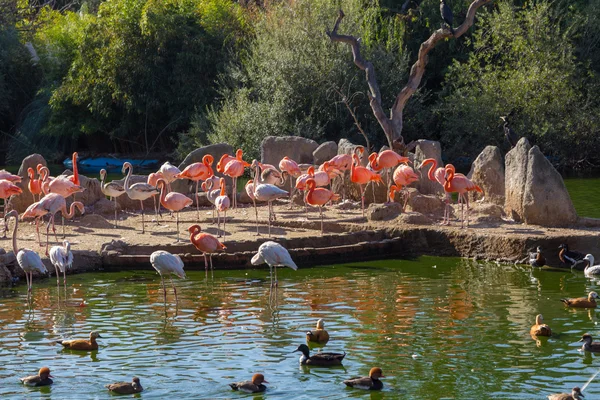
[523,62]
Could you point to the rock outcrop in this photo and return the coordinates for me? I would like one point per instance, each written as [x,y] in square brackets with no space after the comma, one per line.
[299,149]
[487,171]
[535,191]
[427,149]
[25,199]
[326,151]
[383,212]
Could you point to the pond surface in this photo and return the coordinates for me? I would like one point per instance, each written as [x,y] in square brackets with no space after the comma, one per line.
[439,328]
[585,193]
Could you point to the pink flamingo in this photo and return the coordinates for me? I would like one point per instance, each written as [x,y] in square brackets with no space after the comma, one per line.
[173,201]
[111,189]
[222,204]
[319,197]
[169,173]
[266,192]
[250,192]
[462,185]
[35,210]
[52,203]
[205,242]
[28,260]
[138,191]
[225,158]
[270,174]
[7,189]
[343,163]
[64,186]
[234,169]
[197,172]
[45,178]
[34,185]
[290,167]
[75,177]
[387,160]
[7,176]
[361,176]
[403,176]
[321,177]
[301,185]
[153,178]
[438,175]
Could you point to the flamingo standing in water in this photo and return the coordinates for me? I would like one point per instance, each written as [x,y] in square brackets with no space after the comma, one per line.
[138,191]
[7,189]
[290,167]
[387,160]
[169,172]
[361,176]
[319,197]
[34,185]
[266,192]
[250,192]
[111,189]
[438,175]
[28,260]
[222,204]
[153,178]
[273,254]
[173,201]
[403,176]
[205,242]
[196,172]
[62,259]
[462,185]
[166,263]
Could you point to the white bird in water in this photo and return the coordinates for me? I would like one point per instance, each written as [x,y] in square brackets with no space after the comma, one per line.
[28,260]
[62,259]
[166,263]
[274,255]
[591,269]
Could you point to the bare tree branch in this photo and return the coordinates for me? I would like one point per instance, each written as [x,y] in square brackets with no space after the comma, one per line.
[392,126]
[356,121]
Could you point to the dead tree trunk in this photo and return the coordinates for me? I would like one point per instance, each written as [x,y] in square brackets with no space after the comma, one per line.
[392,126]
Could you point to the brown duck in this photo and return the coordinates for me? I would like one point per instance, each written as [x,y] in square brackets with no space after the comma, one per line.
[253,386]
[41,379]
[319,359]
[319,335]
[589,344]
[81,344]
[370,382]
[575,395]
[540,329]
[126,387]
[582,302]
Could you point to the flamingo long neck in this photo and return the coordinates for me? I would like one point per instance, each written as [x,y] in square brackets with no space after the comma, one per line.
[71,212]
[30,173]
[14,237]
[449,179]
[126,183]
[207,160]
[259,178]
[163,192]
[433,167]
[222,187]
[393,190]
[75,171]
[195,230]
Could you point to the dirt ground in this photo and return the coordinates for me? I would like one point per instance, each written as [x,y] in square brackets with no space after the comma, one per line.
[91,231]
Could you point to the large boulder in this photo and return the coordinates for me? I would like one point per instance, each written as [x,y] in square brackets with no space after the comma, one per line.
[25,199]
[487,171]
[383,212]
[216,150]
[92,192]
[425,203]
[326,151]
[299,149]
[423,150]
[535,191]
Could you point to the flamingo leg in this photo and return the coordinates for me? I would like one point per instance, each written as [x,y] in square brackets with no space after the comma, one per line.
[162,280]
[115,211]
[63,229]
[224,222]
[174,290]
[269,212]
[28,285]
[219,222]
[234,193]
[197,201]
[37,229]
[276,281]
[65,278]
[177,219]
[362,198]
[211,264]
[142,208]
[30,282]
[57,276]
[47,233]
[320,212]
[256,213]
[155,209]
[205,262]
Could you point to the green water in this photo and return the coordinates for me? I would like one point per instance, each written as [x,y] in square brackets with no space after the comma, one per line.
[585,193]
[439,329]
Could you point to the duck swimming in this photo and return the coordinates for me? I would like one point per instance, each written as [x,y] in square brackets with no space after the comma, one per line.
[126,387]
[540,329]
[81,344]
[253,386]
[590,268]
[572,259]
[370,382]
[575,395]
[589,344]
[582,302]
[537,259]
[319,335]
[41,379]
[319,359]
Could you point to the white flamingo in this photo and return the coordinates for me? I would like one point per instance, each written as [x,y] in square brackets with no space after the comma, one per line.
[211,195]
[591,269]
[138,191]
[166,263]
[222,203]
[169,171]
[111,189]
[62,259]
[274,255]
[28,260]
[266,192]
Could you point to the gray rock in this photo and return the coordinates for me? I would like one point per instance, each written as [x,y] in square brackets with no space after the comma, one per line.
[546,200]
[487,171]
[515,166]
[425,203]
[347,147]
[5,276]
[216,150]
[414,218]
[299,149]
[326,151]
[427,149]
[95,221]
[25,199]
[383,212]
[105,207]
